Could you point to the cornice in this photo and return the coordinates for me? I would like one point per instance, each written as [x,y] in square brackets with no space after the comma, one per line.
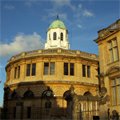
[51,82]
[53,53]
[108,31]
[106,36]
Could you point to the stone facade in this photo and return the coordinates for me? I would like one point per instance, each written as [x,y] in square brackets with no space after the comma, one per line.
[109,59]
[43,96]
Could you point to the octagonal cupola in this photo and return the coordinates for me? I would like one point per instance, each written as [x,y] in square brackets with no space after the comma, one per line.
[57,35]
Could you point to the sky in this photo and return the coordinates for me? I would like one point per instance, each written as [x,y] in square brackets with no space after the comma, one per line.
[24,23]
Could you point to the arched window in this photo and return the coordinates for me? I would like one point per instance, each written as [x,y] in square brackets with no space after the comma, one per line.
[67,95]
[28,94]
[54,36]
[47,93]
[87,93]
[61,36]
[49,37]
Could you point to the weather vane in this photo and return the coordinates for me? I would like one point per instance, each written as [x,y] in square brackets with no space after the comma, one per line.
[57,17]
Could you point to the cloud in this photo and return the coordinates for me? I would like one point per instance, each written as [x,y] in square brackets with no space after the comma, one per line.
[29,3]
[9,7]
[87,13]
[80,6]
[79,26]
[61,3]
[21,43]
[81,11]
[63,16]
[78,10]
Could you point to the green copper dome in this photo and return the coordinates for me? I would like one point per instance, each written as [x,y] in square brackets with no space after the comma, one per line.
[57,24]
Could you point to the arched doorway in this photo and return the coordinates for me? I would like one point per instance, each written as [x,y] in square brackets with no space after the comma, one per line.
[68,97]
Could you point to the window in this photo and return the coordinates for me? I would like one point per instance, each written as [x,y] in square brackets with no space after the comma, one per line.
[86,71]
[28,112]
[118,90]
[47,93]
[28,94]
[83,71]
[31,69]
[28,70]
[61,36]
[113,50]
[49,37]
[115,88]
[52,68]
[54,36]
[71,68]
[17,72]
[46,67]
[68,68]
[65,68]
[49,68]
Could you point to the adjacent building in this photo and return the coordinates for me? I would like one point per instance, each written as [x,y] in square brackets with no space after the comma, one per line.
[109,59]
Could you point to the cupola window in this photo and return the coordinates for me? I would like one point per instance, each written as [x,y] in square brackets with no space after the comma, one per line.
[61,36]
[49,37]
[54,36]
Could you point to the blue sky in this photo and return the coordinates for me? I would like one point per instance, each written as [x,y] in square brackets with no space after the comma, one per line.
[24,23]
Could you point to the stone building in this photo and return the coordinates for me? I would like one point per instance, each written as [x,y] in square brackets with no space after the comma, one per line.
[109,59]
[1,112]
[38,83]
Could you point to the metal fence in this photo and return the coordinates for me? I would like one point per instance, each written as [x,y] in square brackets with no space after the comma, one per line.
[47,114]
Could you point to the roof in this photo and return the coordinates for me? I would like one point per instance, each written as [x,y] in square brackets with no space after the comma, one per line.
[110,30]
[57,24]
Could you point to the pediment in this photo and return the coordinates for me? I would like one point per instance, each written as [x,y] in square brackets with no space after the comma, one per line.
[113,70]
